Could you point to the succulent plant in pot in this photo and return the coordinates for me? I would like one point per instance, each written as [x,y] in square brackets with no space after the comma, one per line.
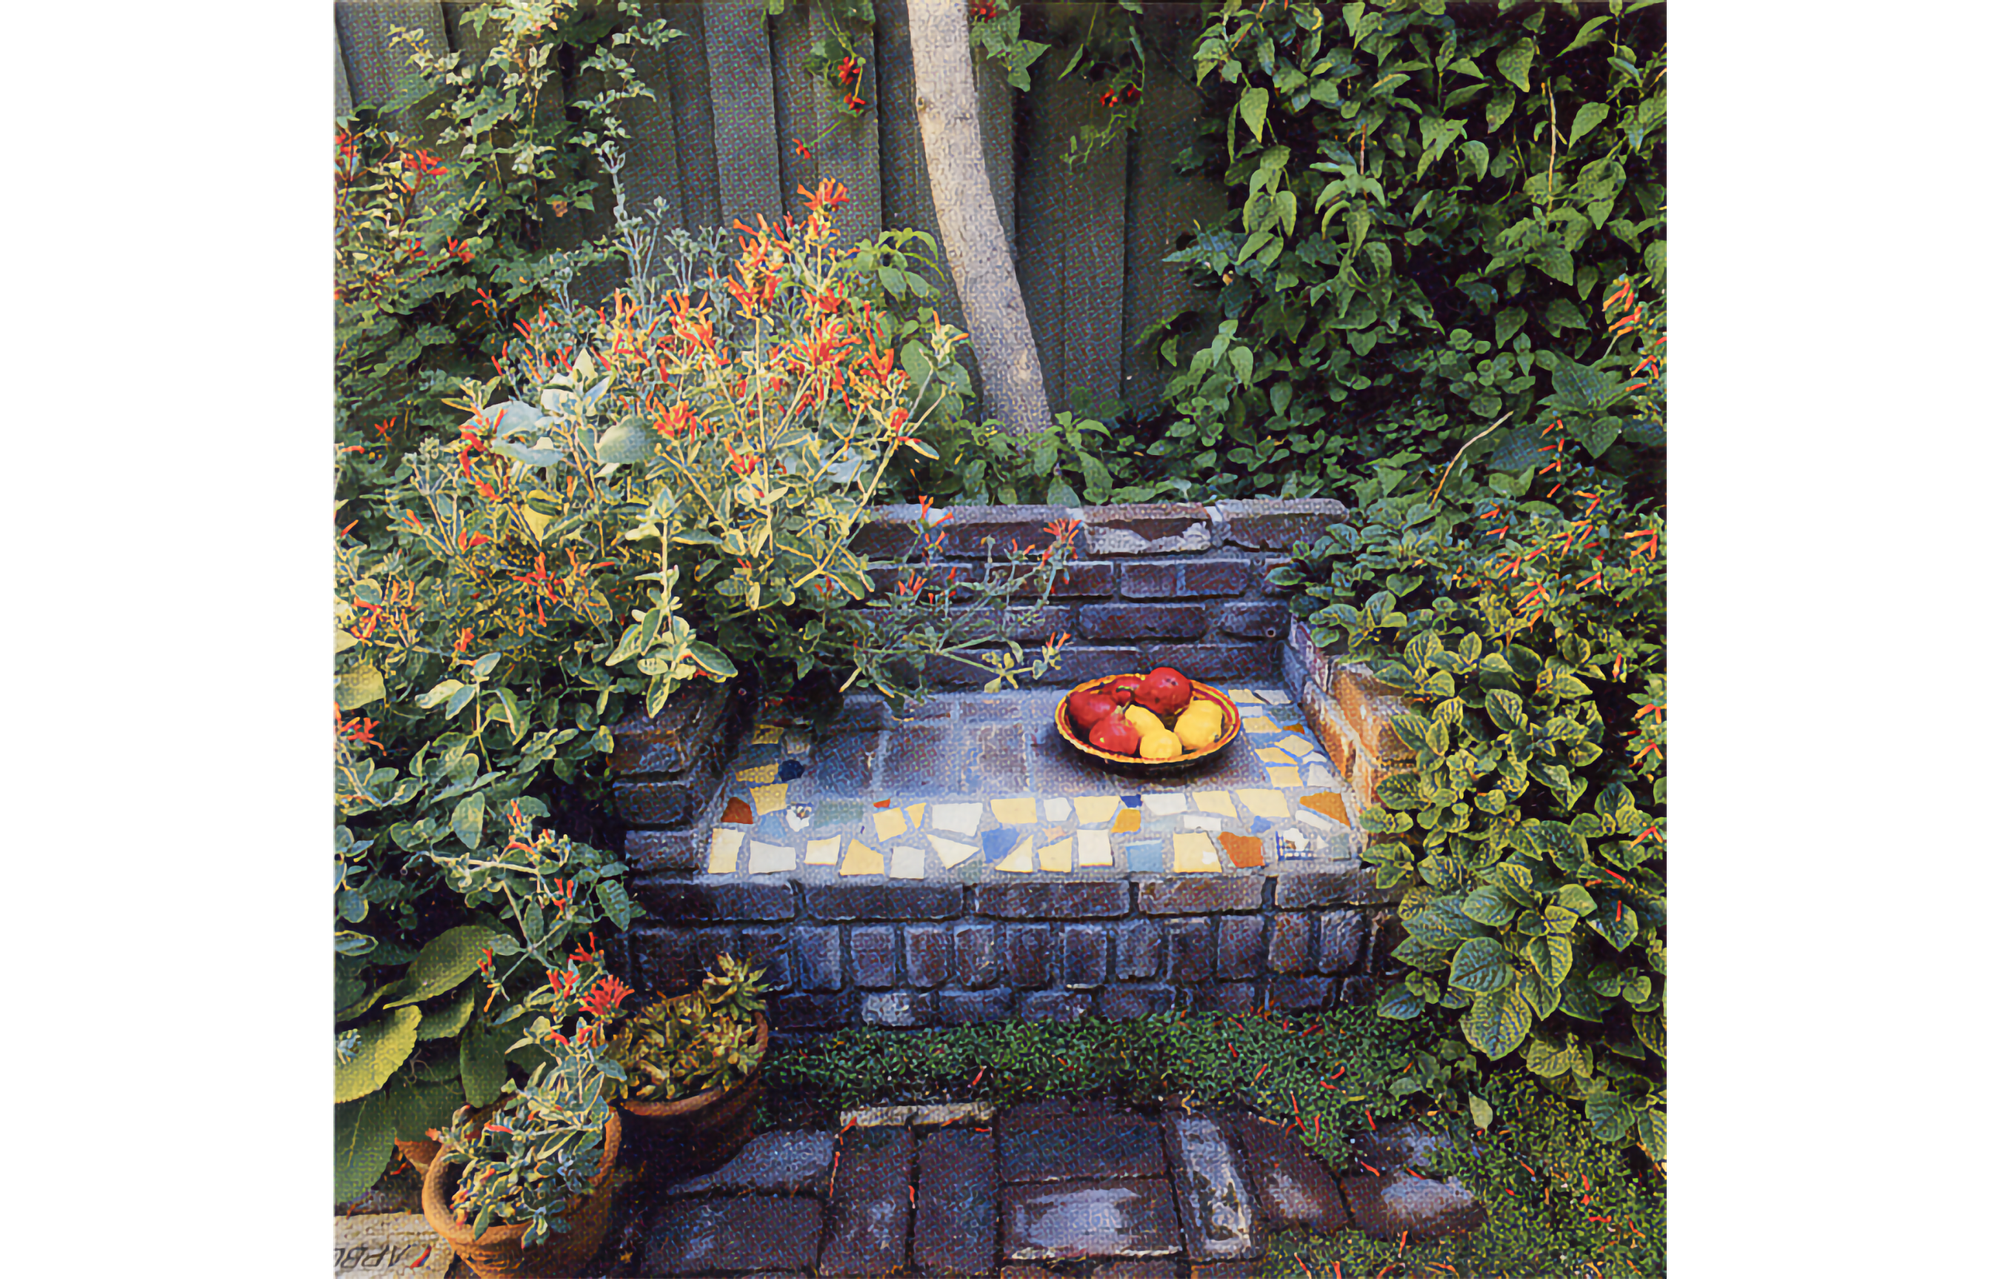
[692,1066]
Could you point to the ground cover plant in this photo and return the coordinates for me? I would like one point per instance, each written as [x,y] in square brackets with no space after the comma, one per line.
[1559,1200]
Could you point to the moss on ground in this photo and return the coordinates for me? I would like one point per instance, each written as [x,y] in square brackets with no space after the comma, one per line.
[1559,1202]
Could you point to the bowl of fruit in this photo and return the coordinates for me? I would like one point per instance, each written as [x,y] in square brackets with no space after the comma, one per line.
[1158,721]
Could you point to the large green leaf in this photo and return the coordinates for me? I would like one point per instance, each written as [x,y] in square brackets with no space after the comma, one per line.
[358,687]
[1652,1132]
[1489,905]
[447,960]
[1514,61]
[1652,1031]
[415,1109]
[380,1047]
[482,1061]
[443,1023]
[468,820]
[1550,954]
[628,441]
[1497,1022]
[364,1136]
[1610,1115]
[1481,965]
[1398,1003]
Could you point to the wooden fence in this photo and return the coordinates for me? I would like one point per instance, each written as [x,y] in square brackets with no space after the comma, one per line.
[732,96]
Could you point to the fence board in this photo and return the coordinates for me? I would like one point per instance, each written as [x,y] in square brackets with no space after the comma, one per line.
[376,69]
[797,104]
[343,100]
[851,151]
[740,91]
[694,122]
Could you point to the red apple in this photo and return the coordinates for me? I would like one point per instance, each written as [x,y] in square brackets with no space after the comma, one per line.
[1116,734]
[1085,709]
[1126,684]
[1165,692]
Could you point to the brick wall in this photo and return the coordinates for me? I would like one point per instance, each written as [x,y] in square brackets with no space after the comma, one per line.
[1152,585]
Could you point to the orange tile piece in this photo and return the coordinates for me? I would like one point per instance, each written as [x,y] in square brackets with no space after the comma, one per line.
[1126,822]
[1328,803]
[1243,850]
[738,811]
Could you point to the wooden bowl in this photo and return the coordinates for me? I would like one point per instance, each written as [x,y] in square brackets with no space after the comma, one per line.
[1232,724]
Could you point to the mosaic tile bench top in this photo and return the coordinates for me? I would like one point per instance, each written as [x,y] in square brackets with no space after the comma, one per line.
[974,786]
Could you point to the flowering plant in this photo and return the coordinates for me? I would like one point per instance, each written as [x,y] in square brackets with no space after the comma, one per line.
[541,1147]
[677,1047]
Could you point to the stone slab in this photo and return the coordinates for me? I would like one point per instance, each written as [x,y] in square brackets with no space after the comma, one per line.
[868,1215]
[1066,1147]
[1049,1222]
[1218,1209]
[1293,1188]
[1384,1207]
[375,1243]
[755,1232]
[787,1163]
[957,1215]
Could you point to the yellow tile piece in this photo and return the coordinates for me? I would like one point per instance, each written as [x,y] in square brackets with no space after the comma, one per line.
[1272,755]
[759,776]
[766,859]
[1214,801]
[915,812]
[769,799]
[1244,697]
[1326,802]
[890,822]
[1014,812]
[1258,724]
[822,852]
[1297,745]
[861,860]
[1056,855]
[1092,809]
[950,852]
[1195,851]
[768,735]
[1021,860]
[1264,803]
[1284,776]
[1128,822]
[722,852]
[1093,848]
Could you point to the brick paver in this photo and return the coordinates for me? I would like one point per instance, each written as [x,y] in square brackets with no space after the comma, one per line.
[1218,1211]
[1050,1221]
[756,1232]
[1068,1147]
[1293,1188]
[868,1215]
[958,1208]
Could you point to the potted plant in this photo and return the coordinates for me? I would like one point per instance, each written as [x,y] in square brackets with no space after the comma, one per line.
[693,1067]
[524,1189]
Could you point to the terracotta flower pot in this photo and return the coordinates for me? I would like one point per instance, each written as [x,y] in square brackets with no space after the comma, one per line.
[704,1131]
[498,1252]
[419,1152]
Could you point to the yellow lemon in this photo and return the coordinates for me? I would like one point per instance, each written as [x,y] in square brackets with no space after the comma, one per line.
[1160,743]
[1145,721]
[1197,730]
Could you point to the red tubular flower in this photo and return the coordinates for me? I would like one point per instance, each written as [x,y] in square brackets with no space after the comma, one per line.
[1108,98]
[981,10]
[850,71]
[1131,93]
[605,996]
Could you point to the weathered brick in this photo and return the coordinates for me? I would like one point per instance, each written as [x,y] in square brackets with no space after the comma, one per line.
[1139,948]
[772,1163]
[1293,1188]
[683,850]
[868,1215]
[1054,1144]
[977,950]
[754,1232]
[1091,662]
[957,1202]
[1386,931]
[1261,620]
[809,1012]
[1302,992]
[1352,885]
[1359,990]
[1274,524]
[1200,896]
[962,1007]
[1219,1213]
[1077,899]
[1219,663]
[885,901]
[1215,577]
[1341,934]
[1131,621]
[873,951]
[660,803]
[819,958]
[1369,706]
[1027,951]
[1190,951]
[1054,1005]
[1083,578]
[1369,774]
[1086,947]
[1122,1003]
[1399,1205]
[1291,942]
[770,949]
[1149,581]
[926,955]
[1239,946]
[900,1008]
[678,900]
[1226,996]
[712,943]
[1042,1221]
[1146,529]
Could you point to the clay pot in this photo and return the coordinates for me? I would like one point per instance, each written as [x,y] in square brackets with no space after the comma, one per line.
[419,1152]
[498,1252]
[701,1132]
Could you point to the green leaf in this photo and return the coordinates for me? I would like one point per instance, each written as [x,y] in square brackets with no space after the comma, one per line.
[1482,965]
[1507,324]
[446,961]
[383,1045]
[1550,955]
[1399,1004]
[1545,1058]
[1610,1115]
[1253,105]
[1652,1132]
[1514,61]
[629,441]
[364,1136]
[1619,927]
[1588,117]
[1489,905]
[482,1062]
[1497,1022]
[712,660]
[418,1107]
[617,905]
[358,687]
[468,819]
[1651,1028]
[441,692]
[445,1022]
[460,699]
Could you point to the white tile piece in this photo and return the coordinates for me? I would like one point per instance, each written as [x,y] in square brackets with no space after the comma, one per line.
[950,852]
[1201,821]
[1055,810]
[1275,697]
[1093,848]
[906,862]
[768,859]
[1167,805]
[1319,775]
[1310,818]
[960,819]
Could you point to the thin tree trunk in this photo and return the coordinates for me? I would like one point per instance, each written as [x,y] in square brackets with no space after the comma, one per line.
[974,243]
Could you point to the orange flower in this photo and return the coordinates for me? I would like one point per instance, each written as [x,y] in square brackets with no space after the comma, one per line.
[831,195]
[742,464]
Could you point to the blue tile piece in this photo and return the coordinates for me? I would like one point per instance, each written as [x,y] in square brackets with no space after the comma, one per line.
[1260,825]
[1143,854]
[996,844]
[790,769]
[1131,801]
